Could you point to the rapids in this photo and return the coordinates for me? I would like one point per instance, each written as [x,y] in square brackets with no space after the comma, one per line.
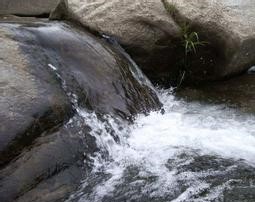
[188,152]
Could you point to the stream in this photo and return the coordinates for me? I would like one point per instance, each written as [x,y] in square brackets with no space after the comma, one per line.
[190,152]
[82,123]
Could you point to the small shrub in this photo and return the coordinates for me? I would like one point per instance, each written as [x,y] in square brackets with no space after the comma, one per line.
[190,39]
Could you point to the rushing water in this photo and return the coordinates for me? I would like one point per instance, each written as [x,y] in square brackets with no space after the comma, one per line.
[192,152]
[187,152]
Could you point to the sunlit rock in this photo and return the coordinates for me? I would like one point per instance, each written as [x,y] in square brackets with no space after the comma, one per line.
[27,7]
[151,34]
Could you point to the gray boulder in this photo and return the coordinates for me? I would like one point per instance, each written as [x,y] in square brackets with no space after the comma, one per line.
[229,30]
[27,7]
[150,31]
[31,100]
[143,27]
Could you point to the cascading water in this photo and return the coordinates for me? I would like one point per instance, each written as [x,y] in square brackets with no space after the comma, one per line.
[193,152]
[190,151]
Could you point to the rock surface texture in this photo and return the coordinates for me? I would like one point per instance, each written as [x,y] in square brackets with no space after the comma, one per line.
[229,29]
[237,93]
[149,33]
[32,100]
[144,27]
[47,72]
[27,7]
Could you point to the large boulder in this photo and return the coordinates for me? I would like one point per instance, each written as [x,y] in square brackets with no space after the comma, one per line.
[49,170]
[51,74]
[102,77]
[150,31]
[228,28]
[143,27]
[27,7]
[31,100]
[141,23]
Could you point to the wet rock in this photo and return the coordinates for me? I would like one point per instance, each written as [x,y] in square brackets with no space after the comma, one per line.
[49,169]
[27,7]
[102,78]
[56,188]
[31,99]
[237,93]
[48,72]
[244,194]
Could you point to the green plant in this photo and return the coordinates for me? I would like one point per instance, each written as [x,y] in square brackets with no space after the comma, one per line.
[190,41]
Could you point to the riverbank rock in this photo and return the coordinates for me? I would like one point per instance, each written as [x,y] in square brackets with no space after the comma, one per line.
[27,7]
[237,93]
[229,30]
[52,74]
[150,31]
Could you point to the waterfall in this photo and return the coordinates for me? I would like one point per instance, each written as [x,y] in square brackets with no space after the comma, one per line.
[136,72]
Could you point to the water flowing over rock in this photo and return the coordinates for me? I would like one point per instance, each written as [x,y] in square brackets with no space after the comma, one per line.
[149,33]
[143,26]
[194,152]
[79,121]
[50,73]
[27,7]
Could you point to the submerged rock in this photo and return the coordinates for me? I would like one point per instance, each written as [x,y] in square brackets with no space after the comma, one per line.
[27,7]
[48,72]
[150,30]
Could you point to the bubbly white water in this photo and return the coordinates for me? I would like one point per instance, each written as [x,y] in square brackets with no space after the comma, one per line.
[155,153]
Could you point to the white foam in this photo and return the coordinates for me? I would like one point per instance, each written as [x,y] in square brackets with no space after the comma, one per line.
[154,139]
